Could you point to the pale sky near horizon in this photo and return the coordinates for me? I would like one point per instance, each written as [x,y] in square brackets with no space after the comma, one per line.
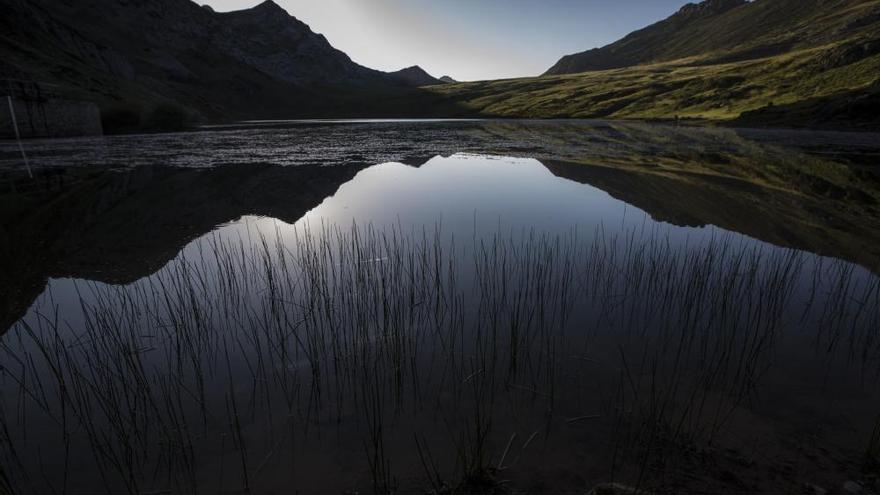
[468,39]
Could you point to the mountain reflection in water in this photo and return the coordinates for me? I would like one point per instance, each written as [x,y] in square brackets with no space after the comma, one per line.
[400,326]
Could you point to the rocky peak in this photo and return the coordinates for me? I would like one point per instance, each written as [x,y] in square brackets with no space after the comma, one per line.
[415,76]
[268,38]
[414,70]
[265,12]
[269,6]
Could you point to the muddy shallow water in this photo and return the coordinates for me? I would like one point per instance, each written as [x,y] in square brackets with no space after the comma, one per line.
[429,307]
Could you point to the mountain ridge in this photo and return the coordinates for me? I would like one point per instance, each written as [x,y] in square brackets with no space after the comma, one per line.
[127,56]
[415,76]
[785,62]
[789,63]
[731,30]
[291,52]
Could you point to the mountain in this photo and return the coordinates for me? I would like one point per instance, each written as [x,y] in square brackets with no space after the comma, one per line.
[268,38]
[151,64]
[448,80]
[415,76]
[793,63]
[732,30]
[98,226]
[130,56]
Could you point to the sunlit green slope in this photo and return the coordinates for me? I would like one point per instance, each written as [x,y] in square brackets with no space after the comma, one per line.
[820,67]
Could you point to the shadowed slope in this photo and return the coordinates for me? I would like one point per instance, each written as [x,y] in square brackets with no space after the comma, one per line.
[131,56]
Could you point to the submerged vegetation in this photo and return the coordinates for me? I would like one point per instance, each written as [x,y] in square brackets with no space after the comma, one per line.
[263,359]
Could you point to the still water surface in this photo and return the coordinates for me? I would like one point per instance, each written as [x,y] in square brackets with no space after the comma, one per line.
[454,321]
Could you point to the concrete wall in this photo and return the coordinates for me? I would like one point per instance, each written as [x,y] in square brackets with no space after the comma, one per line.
[49,117]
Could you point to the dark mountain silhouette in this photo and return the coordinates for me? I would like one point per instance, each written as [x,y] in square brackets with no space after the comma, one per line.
[732,30]
[276,43]
[150,64]
[254,63]
[117,227]
[415,76]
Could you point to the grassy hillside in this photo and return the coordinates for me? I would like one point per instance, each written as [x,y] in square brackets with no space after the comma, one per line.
[730,30]
[779,62]
[834,84]
[765,62]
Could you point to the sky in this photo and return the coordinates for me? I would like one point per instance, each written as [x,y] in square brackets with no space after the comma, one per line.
[468,39]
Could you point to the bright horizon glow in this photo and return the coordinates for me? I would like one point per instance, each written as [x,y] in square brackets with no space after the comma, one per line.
[468,39]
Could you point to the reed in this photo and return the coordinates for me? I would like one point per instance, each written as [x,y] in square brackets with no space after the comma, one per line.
[872,453]
[245,341]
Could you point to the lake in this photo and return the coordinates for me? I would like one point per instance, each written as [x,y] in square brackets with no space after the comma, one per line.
[441,307]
